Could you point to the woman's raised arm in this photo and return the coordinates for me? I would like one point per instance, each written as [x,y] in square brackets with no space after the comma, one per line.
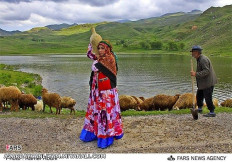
[90,54]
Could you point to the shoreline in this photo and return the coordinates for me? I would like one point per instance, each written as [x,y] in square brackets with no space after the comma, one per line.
[118,53]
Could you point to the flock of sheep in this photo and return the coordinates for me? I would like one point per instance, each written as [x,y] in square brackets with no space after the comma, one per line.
[13,96]
[162,102]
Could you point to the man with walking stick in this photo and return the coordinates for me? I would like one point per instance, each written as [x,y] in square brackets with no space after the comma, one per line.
[206,79]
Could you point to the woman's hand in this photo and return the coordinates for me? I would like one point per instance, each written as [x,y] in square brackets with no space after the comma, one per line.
[90,47]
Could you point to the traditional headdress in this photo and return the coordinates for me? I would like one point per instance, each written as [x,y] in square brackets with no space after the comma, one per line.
[109,59]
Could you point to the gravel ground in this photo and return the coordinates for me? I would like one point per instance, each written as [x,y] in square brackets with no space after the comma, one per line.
[144,134]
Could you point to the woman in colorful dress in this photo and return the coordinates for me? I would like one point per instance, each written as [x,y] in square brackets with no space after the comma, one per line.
[103,117]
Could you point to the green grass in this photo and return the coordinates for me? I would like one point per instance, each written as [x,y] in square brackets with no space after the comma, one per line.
[178,112]
[27,82]
[65,113]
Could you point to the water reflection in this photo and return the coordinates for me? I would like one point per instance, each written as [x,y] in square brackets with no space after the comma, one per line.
[139,75]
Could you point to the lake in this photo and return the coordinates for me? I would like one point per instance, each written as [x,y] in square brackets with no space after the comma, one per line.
[138,75]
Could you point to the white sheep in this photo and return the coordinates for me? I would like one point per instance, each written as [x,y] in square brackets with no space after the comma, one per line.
[39,105]
[68,102]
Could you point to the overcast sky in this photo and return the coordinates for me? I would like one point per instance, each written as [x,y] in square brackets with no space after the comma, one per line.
[26,14]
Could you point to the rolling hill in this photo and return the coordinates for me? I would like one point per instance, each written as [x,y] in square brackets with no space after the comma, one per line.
[170,33]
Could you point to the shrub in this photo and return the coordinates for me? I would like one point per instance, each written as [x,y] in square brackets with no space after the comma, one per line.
[182,45]
[172,46]
[156,45]
[145,45]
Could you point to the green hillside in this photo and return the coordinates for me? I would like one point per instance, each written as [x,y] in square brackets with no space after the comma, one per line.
[214,31]
[170,33]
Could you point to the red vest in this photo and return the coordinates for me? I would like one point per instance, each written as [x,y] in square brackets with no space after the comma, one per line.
[103,82]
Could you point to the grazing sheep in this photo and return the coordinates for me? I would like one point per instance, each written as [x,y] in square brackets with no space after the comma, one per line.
[184,101]
[27,100]
[39,106]
[148,104]
[10,94]
[127,102]
[139,101]
[163,102]
[142,98]
[52,100]
[68,102]
[215,102]
[227,103]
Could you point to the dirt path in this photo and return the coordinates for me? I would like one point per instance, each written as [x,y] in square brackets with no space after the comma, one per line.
[144,134]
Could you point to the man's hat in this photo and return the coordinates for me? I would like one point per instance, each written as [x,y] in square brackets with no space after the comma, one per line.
[196,48]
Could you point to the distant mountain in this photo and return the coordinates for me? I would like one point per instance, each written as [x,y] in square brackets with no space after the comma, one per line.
[182,13]
[173,14]
[195,12]
[59,26]
[123,21]
[6,33]
[169,33]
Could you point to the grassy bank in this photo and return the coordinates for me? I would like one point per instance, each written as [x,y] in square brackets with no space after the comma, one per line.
[27,82]
[65,113]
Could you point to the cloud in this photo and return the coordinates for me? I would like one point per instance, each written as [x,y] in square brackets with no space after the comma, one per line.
[15,1]
[99,3]
[91,2]
[18,1]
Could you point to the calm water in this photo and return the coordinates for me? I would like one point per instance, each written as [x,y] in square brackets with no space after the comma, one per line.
[139,75]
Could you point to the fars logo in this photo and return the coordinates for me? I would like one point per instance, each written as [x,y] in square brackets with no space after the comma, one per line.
[171,158]
[13,147]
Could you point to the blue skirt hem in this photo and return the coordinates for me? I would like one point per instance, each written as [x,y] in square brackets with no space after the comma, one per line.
[118,137]
[88,136]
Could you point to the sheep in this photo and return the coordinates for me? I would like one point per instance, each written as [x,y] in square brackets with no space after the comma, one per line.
[184,101]
[162,102]
[139,100]
[39,105]
[227,103]
[127,102]
[27,100]
[147,104]
[68,102]
[142,98]
[10,94]
[52,100]
[215,102]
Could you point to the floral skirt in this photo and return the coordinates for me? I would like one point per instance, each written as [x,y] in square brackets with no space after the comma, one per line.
[103,117]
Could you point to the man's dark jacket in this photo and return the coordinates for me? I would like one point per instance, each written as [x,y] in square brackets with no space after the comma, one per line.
[205,74]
